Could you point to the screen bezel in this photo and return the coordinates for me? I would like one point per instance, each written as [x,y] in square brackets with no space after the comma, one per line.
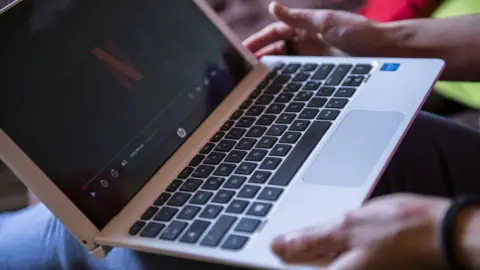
[45,189]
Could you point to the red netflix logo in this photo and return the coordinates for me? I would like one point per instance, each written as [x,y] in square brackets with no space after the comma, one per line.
[121,69]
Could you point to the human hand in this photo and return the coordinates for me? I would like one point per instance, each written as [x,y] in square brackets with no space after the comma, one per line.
[391,232]
[321,33]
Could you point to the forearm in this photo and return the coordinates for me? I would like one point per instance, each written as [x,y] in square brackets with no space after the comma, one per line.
[467,235]
[455,40]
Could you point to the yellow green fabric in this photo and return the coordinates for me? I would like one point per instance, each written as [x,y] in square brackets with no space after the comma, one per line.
[466,93]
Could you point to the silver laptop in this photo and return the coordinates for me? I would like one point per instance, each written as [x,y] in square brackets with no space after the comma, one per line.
[147,125]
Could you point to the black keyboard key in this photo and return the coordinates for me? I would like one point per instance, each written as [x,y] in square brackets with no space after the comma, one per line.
[237,206]
[235,182]
[236,115]
[211,211]
[284,98]
[162,199]
[248,192]
[179,199]
[345,92]
[328,115]
[207,148]
[256,131]
[255,111]
[338,74]
[227,125]
[196,160]
[188,212]
[213,183]
[246,168]
[165,214]
[274,89]
[234,242]
[264,83]
[174,185]
[193,233]
[235,156]
[203,171]
[336,103]
[260,177]
[317,102]
[149,213]
[291,68]
[270,194]
[218,231]
[276,130]
[295,107]
[323,72]
[290,137]
[300,152]
[136,227]
[270,163]
[173,231]
[266,120]
[301,77]
[267,142]
[303,96]
[246,144]
[312,86]
[152,230]
[255,94]
[357,81]
[299,125]
[185,173]
[214,158]
[225,146]
[256,155]
[309,67]
[191,185]
[308,114]
[281,79]
[280,150]
[223,196]
[275,108]
[277,66]
[348,81]
[225,169]
[292,87]
[235,133]
[259,209]
[362,69]
[201,197]
[245,104]
[286,118]
[246,122]
[265,99]
[247,225]
[217,137]
[325,91]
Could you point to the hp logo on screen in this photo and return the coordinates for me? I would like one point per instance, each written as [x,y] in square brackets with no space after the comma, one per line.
[181,133]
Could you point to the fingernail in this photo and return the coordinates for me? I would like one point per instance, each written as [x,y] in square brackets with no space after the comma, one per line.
[275,8]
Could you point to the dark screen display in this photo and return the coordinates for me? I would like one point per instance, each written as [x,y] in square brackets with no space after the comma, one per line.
[99,94]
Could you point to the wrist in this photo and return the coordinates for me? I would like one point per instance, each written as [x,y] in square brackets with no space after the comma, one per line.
[465,240]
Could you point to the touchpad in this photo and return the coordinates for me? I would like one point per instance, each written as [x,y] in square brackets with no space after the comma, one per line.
[354,149]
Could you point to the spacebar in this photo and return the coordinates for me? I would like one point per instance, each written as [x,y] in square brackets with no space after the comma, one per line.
[300,152]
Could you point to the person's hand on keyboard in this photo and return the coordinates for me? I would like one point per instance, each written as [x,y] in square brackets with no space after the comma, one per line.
[320,33]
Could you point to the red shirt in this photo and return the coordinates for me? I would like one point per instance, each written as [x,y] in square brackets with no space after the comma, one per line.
[392,10]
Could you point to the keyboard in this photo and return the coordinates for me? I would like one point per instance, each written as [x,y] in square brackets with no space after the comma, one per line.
[231,186]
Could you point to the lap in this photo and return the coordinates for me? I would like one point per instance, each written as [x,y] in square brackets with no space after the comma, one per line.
[437,157]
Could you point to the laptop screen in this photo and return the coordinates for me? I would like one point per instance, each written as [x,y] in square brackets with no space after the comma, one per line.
[99,94]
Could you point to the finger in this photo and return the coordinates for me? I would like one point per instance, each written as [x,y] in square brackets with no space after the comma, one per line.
[356,259]
[272,33]
[313,243]
[277,48]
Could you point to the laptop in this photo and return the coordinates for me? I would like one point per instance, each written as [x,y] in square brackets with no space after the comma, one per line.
[146,125]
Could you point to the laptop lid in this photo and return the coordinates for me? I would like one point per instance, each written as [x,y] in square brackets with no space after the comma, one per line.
[99,94]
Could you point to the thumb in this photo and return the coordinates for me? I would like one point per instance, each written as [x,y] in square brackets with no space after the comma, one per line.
[335,27]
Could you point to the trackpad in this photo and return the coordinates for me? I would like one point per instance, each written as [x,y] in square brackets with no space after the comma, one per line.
[354,149]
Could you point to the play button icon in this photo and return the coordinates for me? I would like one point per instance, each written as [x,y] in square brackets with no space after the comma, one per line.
[93,194]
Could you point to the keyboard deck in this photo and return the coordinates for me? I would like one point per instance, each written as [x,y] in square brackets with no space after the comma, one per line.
[231,186]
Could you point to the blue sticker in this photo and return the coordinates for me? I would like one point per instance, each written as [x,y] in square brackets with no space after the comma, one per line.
[390,67]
